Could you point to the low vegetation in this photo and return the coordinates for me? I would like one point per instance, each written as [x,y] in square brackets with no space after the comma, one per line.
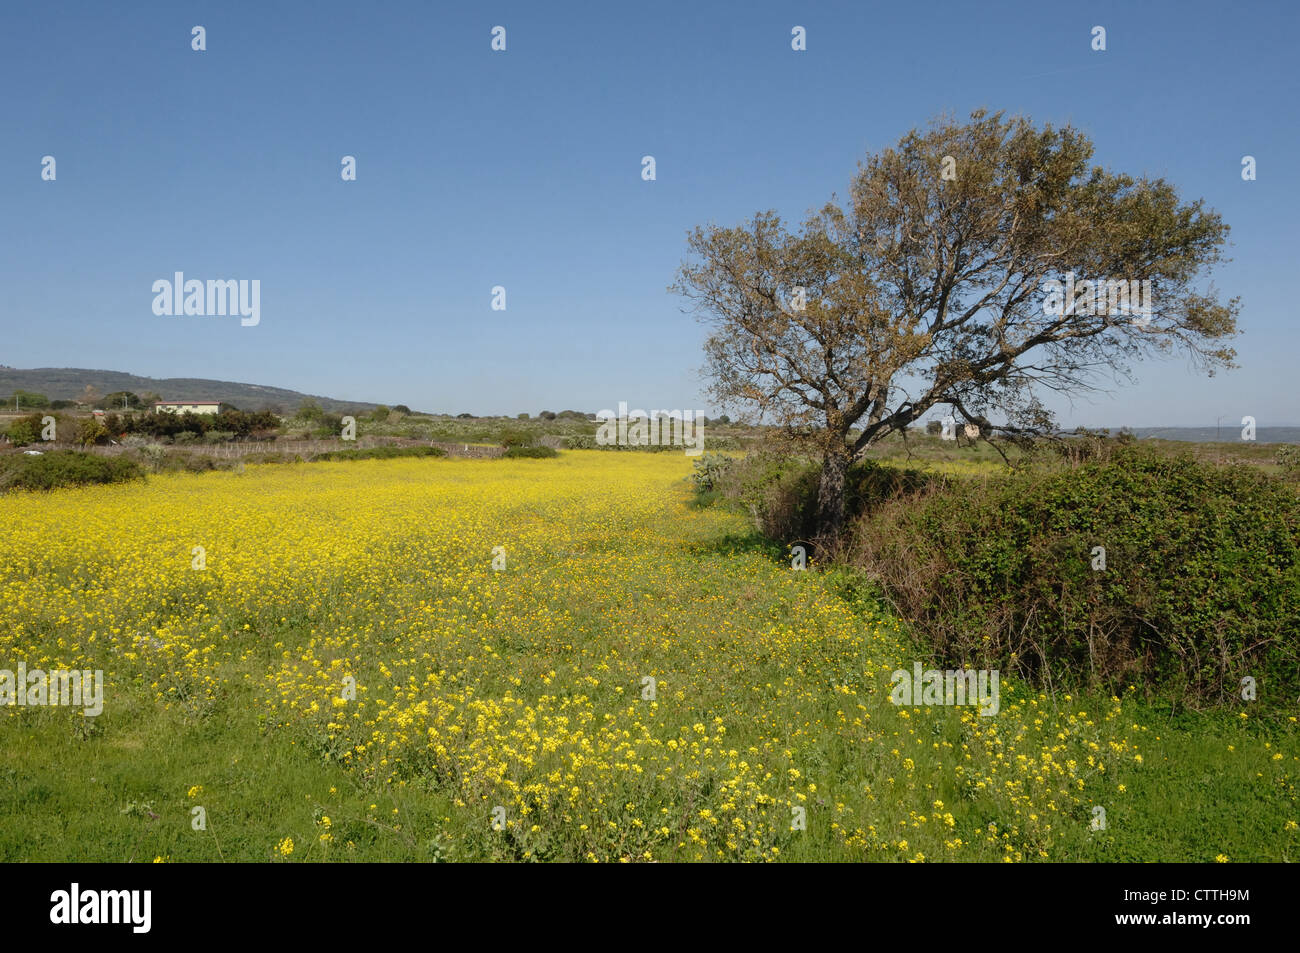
[381,453]
[534,452]
[491,660]
[1102,566]
[58,468]
[1177,576]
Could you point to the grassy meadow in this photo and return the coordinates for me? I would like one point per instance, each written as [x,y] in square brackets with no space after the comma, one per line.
[349,677]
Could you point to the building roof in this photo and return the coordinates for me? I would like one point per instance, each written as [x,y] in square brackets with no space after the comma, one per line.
[158,402]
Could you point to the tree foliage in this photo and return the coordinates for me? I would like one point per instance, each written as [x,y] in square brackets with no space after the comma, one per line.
[927,286]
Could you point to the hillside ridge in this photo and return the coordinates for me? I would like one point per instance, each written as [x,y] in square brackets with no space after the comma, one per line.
[68,383]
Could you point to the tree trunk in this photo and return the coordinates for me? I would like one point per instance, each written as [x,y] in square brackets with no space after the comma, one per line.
[830,496]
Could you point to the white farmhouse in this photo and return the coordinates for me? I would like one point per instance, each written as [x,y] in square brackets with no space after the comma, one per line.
[187,406]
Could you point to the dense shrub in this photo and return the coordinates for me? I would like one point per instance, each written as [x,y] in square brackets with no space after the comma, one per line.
[1084,446]
[517,437]
[530,452]
[164,424]
[64,468]
[327,426]
[709,469]
[25,430]
[1201,584]
[92,431]
[780,491]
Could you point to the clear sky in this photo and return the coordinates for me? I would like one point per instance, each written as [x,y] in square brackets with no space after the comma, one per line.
[523,169]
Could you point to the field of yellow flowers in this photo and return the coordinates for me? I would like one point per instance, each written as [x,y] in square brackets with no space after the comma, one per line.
[538,660]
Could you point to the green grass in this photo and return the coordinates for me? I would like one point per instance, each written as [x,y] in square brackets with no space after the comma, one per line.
[119,792]
[73,796]
[649,582]
[1204,782]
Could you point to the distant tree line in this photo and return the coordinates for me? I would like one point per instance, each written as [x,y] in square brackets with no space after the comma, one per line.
[29,400]
[236,422]
[118,400]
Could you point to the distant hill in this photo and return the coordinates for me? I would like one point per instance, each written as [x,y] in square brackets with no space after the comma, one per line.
[1229,432]
[68,383]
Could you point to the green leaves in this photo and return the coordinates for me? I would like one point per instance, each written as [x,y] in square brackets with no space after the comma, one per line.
[1201,585]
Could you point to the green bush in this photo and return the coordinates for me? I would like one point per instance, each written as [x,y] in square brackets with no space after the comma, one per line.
[780,490]
[512,437]
[1201,585]
[539,452]
[777,490]
[91,431]
[709,469]
[327,426]
[25,430]
[234,423]
[64,468]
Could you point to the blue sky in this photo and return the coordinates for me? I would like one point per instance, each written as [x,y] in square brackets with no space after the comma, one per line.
[522,169]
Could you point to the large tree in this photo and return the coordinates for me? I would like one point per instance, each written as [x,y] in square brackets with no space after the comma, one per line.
[932,285]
